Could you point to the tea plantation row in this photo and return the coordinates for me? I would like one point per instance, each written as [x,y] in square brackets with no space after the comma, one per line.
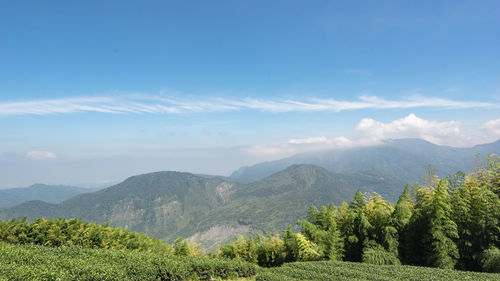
[329,270]
[33,262]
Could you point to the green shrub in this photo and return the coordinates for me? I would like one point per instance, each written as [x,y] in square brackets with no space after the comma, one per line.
[34,262]
[353,271]
[378,255]
[490,260]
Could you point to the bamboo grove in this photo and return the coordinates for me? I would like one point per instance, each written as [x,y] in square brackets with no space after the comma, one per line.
[77,233]
[446,223]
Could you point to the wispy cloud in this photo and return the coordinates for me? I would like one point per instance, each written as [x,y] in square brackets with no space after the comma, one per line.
[160,104]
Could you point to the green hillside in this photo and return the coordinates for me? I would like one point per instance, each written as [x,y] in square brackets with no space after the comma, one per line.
[171,204]
[271,204]
[159,204]
[401,162]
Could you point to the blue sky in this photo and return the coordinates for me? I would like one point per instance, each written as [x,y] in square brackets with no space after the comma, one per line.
[102,90]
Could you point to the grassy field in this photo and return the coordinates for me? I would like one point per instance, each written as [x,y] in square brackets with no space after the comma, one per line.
[31,262]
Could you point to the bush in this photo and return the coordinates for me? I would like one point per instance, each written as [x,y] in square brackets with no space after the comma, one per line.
[34,262]
[490,260]
[378,255]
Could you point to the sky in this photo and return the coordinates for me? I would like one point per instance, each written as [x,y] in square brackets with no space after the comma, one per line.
[92,92]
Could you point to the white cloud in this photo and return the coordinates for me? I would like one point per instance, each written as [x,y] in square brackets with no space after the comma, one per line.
[411,126]
[492,129]
[371,132]
[35,154]
[160,104]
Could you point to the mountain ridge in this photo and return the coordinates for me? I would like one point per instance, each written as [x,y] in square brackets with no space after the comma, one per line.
[170,204]
[44,192]
[402,159]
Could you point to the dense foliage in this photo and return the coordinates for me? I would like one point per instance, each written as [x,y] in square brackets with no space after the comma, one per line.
[331,270]
[34,262]
[74,232]
[446,223]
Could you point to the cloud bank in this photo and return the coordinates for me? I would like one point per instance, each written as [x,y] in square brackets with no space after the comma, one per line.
[371,132]
[160,104]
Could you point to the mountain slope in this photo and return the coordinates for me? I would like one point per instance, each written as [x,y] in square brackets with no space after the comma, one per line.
[159,204]
[48,193]
[403,161]
[171,204]
[271,204]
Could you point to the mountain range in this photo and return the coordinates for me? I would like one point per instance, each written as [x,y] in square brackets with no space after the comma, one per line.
[264,198]
[48,193]
[402,162]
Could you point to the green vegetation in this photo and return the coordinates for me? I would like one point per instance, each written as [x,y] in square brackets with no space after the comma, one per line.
[167,205]
[331,270]
[157,204]
[451,223]
[60,232]
[490,260]
[445,223]
[34,262]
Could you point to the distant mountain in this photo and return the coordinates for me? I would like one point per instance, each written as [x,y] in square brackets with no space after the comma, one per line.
[402,161]
[48,193]
[207,209]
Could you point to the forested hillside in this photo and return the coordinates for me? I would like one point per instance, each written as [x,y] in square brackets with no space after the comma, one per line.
[171,204]
[271,204]
[159,204]
[400,161]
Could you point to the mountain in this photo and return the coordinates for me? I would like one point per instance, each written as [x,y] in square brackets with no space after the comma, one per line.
[206,209]
[402,161]
[210,209]
[273,203]
[159,204]
[48,193]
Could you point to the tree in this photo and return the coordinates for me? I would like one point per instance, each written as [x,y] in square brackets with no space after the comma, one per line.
[400,218]
[321,229]
[477,215]
[355,231]
[271,252]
